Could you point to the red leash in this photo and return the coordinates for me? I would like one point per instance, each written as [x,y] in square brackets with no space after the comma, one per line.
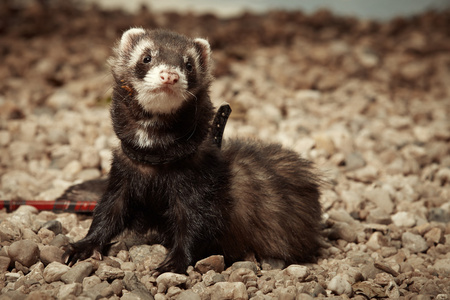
[56,206]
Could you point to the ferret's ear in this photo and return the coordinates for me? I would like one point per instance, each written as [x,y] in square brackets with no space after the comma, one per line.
[129,38]
[204,51]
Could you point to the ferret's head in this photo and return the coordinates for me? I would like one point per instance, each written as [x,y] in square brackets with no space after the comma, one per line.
[162,68]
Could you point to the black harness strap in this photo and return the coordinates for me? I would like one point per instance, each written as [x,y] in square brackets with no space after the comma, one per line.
[218,125]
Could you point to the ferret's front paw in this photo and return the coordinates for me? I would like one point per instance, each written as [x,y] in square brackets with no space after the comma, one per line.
[77,251]
[173,265]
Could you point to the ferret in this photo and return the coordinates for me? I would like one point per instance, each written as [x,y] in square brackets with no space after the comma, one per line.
[244,199]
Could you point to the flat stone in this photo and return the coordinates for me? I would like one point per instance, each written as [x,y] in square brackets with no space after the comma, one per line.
[78,272]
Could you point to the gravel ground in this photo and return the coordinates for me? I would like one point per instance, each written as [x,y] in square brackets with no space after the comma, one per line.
[368,102]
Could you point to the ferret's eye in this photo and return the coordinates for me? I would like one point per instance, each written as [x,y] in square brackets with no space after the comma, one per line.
[147,59]
[189,67]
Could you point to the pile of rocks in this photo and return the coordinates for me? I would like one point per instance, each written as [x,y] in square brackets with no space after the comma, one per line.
[367,102]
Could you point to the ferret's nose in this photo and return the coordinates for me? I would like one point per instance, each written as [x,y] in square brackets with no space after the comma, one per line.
[169,77]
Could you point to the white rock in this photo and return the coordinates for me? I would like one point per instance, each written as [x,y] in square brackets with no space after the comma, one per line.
[297,272]
[403,219]
[53,271]
[339,286]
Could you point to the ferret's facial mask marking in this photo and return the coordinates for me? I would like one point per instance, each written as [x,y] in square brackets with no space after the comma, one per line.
[163,89]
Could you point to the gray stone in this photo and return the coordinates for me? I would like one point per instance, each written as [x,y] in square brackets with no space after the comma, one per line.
[26,252]
[78,272]
[53,225]
[133,284]
[50,254]
[414,242]
[60,240]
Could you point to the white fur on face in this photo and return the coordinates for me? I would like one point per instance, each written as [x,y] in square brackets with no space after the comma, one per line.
[159,98]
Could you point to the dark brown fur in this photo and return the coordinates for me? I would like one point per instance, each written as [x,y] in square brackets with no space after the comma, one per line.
[247,199]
